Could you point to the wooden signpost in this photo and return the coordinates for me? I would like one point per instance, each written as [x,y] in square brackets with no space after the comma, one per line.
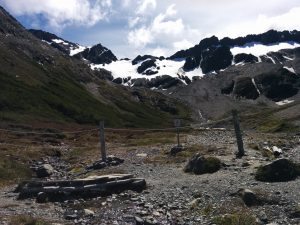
[177,124]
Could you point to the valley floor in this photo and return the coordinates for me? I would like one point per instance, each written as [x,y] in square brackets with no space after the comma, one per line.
[175,197]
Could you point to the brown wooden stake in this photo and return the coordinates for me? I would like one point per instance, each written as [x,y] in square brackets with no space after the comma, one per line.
[238,134]
[102,141]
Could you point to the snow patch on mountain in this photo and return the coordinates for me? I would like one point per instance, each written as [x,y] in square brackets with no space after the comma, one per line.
[77,49]
[59,41]
[291,69]
[284,102]
[258,49]
[125,69]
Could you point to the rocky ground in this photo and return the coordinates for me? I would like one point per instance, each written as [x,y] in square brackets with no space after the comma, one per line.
[175,197]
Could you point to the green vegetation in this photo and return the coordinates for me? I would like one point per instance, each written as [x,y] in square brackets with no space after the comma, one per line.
[11,170]
[211,165]
[27,220]
[240,218]
[265,120]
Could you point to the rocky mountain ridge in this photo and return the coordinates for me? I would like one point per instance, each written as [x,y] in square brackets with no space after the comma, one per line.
[211,55]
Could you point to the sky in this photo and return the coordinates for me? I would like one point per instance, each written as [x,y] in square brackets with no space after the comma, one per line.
[157,27]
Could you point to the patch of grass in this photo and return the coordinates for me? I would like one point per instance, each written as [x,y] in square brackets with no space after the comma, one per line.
[11,170]
[182,156]
[265,121]
[27,220]
[240,218]
[254,146]
[207,210]
[273,124]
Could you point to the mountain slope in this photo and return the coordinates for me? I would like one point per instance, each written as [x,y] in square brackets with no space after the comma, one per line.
[40,83]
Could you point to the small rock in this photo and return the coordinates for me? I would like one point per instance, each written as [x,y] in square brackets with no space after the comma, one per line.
[263,217]
[248,196]
[139,220]
[88,213]
[176,149]
[42,197]
[194,203]
[276,151]
[71,216]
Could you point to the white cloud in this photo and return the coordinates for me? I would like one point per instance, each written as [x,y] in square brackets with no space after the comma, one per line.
[146,5]
[133,21]
[184,44]
[171,11]
[60,13]
[164,35]
[140,37]
[161,25]
[286,21]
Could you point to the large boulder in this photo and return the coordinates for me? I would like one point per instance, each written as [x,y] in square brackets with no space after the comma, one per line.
[45,170]
[278,171]
[199,165]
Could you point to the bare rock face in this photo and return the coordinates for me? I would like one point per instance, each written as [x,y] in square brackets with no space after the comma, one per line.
[278,171]
[245,58]
[98,54]
[216,58]
[245,88]
[146,65]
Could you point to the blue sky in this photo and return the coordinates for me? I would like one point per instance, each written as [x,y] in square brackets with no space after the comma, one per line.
[158,27]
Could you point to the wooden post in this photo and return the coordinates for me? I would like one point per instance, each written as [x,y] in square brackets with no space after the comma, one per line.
[178,142]
[238,134]
[102,141]
[177,123]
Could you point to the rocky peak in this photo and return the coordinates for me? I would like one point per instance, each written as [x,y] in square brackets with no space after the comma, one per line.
[97,54]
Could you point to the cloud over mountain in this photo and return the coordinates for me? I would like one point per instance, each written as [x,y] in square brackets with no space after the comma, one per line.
[60,14]
[131,27]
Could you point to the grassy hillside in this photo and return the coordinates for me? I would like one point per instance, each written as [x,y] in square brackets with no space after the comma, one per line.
[39,83]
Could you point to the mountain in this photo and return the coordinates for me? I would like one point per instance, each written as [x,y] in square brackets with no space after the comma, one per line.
[40,83]
[256,72]
[97,54]
[210,56]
